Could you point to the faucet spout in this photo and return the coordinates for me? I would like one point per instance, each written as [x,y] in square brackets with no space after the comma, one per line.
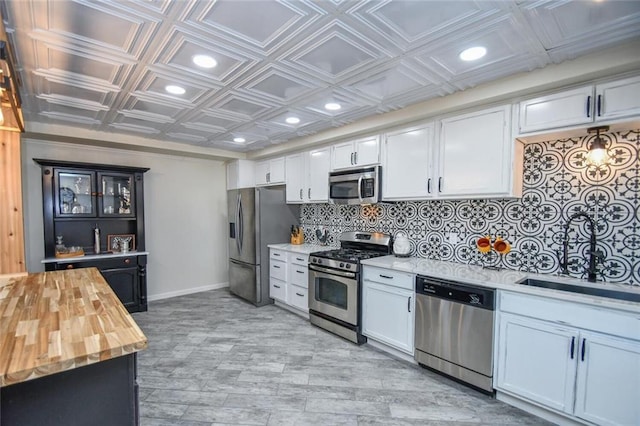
[594,254]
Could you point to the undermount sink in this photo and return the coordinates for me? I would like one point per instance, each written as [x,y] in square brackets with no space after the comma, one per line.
[573,288]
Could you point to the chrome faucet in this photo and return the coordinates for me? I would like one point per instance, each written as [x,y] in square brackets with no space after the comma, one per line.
[594,255]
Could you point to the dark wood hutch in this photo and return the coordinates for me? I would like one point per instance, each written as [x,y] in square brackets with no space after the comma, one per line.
[77,198]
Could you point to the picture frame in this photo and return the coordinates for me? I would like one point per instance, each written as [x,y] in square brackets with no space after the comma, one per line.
[114,242]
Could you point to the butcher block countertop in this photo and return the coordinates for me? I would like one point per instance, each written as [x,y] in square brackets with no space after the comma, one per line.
[56,321]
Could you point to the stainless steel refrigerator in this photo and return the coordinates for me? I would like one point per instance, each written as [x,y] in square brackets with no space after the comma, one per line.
[257,217]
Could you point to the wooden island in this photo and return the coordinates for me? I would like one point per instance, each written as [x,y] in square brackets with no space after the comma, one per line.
[67,351]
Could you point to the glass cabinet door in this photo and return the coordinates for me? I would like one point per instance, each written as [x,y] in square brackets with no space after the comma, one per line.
[117,197]
[74,193]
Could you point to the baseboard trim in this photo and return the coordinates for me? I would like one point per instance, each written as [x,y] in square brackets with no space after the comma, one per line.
[186,291]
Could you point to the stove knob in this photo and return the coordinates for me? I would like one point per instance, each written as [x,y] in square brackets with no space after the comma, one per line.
[313,260]
[342,265]
[348,266]
[319,260]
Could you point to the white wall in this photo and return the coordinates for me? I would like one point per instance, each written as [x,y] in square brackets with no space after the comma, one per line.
[185,214]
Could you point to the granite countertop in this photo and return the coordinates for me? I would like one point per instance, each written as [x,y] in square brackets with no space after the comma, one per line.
[300,248]
[88,257]
[505,279]
[57,321]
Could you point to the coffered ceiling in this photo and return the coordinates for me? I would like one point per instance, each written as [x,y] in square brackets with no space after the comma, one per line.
[104,65]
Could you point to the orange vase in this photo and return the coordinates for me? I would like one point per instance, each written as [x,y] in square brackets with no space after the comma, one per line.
[484,244]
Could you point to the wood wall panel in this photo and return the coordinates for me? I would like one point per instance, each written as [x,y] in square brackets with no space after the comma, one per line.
[12,258]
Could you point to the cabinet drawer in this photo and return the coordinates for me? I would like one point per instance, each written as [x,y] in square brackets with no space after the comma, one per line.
[574,314]
[102,264]
[297,297]
[298,259]
[277,289]
[389,277]
[298,275]
[278,270]
[278,254]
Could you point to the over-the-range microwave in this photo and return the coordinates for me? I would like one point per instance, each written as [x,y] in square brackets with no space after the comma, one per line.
[355,186]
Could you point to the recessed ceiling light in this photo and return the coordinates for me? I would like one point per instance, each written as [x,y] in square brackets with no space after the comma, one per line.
[292,120]
[175,90]
[204,61]
[332,106]
[239,140]
[473,53]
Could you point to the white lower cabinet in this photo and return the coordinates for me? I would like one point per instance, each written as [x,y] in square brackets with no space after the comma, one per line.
[288,278]
[567,360]
[388,302]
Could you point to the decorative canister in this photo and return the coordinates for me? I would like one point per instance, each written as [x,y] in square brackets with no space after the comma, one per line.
[401,245]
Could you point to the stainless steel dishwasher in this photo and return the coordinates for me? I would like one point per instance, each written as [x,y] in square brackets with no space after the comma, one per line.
[454,330]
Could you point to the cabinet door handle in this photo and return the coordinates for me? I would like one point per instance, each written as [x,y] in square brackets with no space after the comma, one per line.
[276,286]
[386,276]
[409,304]
[573,344]
[301,193]
[352,158]
[440,184]
[276,266]
[582,350]
[599,105]
[127,261]
[589,106]
[429,186]
[355,158]
[309,193]
[268,177]
[299,294]
[300,272]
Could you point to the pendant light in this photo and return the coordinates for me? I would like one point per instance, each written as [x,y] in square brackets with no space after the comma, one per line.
[598,155]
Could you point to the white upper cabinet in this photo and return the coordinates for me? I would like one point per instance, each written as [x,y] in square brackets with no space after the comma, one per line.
[476,154]
[270,172]
[358,153]
[319,163]
[472,156]
[407,163]
[568,108]
[240,174]
[295,178]
[307,177]
[618,99]
[584,105]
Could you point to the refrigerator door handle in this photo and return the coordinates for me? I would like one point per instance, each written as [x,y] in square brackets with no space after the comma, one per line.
[238,230]
[241,223]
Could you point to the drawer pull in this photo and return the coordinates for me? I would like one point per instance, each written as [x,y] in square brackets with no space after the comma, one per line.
[386,276]
[299,294]
[300,272]
[276,266]
[276,286]
[69,266]
[300,259]
[127,261]
[276,254]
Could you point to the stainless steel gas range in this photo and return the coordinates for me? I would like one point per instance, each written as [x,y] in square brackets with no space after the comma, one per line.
[335,287]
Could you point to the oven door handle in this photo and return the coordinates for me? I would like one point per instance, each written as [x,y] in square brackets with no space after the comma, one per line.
[333,272]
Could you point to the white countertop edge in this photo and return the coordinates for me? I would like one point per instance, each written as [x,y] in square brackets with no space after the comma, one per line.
[505,279]
[300,248]
[92,257]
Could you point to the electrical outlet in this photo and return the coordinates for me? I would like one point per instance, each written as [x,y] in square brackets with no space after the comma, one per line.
[453,238]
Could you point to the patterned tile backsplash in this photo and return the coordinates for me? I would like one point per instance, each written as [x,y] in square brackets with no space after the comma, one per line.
[558,182]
